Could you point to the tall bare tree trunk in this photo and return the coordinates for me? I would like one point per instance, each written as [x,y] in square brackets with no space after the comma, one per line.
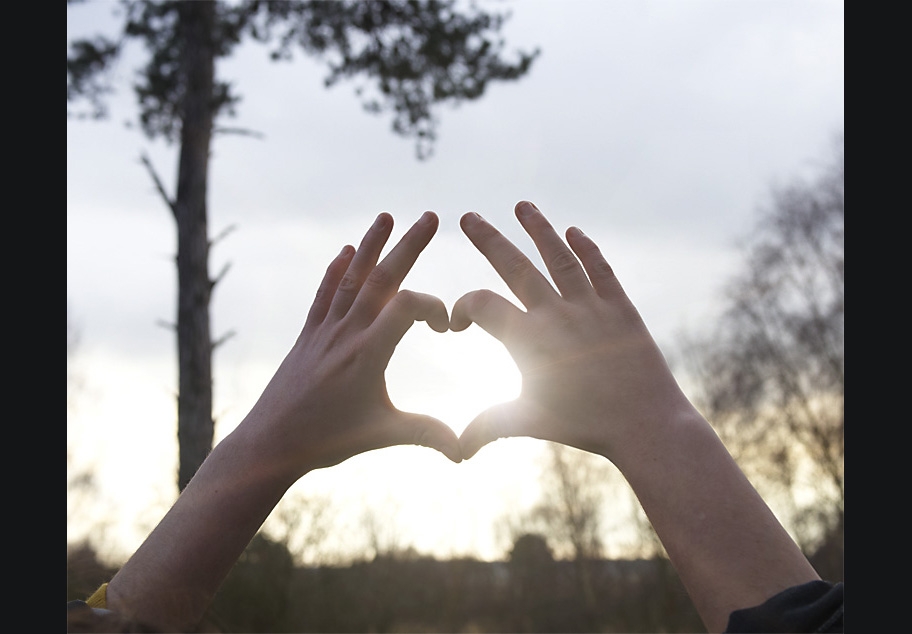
[194,343]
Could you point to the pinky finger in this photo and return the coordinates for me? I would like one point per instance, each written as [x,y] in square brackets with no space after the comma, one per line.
[328,286]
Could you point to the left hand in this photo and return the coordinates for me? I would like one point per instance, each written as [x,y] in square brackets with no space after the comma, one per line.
[328,400]
[593,377]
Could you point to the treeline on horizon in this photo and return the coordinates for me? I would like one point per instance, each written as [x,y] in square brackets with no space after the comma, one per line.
[405,591]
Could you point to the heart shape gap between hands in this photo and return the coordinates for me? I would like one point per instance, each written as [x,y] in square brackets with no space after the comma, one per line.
[451,376]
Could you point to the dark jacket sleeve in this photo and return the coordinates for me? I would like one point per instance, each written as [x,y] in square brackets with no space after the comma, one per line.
[811,607]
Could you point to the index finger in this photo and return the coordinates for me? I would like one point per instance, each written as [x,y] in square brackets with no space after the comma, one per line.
[526,281]
[383,282]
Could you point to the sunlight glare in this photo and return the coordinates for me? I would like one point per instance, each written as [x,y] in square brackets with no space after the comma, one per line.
[452,376]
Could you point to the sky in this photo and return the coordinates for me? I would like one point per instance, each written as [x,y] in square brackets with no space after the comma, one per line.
[659,128]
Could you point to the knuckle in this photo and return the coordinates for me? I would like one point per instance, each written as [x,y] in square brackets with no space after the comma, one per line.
[379,277]
[348,283]
[594,259]
[563,262]
[406,301]
[323,292]
[517,266]
[480,298]
[604,268]
[421,436]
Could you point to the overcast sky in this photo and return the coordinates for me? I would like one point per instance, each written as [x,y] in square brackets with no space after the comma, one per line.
[659,128]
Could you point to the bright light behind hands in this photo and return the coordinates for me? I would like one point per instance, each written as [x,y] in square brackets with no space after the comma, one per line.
[451,376]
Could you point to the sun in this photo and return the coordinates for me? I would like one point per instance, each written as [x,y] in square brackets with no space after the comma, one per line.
[452,376]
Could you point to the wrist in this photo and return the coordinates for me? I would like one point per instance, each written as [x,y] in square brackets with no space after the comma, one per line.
[653,439]
[259,448]
[683,433]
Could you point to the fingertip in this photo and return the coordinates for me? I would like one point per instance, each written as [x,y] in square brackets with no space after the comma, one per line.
[453,453]
[524,208]
[438,318]
[449,446]
[459,319]
[459,325]
[438,327]
[506,420]
[435,434]
[341,259]
[469,219]
[383,220]
[468,453]
[475,436]
[577,240]
[469,446]
[429,221]
[439,321]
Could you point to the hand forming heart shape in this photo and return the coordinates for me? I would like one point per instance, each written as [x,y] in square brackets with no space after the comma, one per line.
[584,354]
[592,378]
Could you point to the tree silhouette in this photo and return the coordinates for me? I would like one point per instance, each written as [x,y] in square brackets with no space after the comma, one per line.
[410,57]
[771,376]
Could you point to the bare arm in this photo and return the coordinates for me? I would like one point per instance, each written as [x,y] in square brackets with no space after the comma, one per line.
[593,378]
[326,403]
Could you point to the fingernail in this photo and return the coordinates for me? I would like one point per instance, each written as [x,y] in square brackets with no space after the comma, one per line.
[472,217]
[577,231]
[381,221]
[426,217]
[525,208]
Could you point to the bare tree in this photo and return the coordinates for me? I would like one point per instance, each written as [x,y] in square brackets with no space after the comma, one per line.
[304,524]
[574,487]
[771,375]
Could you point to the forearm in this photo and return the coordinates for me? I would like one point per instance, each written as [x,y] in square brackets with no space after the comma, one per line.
[727,546]
[326,403]
[171,579]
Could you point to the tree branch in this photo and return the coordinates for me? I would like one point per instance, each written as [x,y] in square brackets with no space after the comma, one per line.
[218,342]
[223,234]
[239,131]
[221,274]
[158,183]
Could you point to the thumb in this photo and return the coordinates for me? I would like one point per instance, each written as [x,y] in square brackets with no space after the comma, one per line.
[493,313]
[506,420]
[426,431]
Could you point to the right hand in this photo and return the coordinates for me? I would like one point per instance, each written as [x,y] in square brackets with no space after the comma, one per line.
[592,375]
[328,400]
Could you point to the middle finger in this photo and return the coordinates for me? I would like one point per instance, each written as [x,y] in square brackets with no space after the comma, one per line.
[565,269]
